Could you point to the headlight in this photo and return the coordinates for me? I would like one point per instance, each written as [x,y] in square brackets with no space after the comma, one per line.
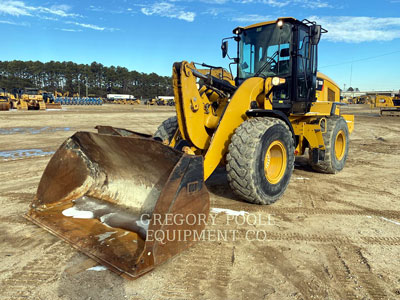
[278,81]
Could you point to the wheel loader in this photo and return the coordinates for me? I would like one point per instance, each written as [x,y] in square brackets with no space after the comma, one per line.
[131,201]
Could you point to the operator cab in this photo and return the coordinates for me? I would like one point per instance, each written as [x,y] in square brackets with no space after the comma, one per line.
[285,48]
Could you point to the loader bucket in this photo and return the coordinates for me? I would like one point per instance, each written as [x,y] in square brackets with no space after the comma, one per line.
[129,202]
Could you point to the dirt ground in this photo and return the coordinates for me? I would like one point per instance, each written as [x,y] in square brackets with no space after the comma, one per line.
[329,237]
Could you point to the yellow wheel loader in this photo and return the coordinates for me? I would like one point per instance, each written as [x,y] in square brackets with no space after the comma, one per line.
[131,201]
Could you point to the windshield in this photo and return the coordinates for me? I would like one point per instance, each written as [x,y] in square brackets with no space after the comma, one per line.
[262,51]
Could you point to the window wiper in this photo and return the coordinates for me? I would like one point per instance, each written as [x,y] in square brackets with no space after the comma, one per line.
[266,64]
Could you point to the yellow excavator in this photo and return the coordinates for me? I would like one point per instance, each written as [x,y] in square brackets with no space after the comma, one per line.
[131,201]
[388,105]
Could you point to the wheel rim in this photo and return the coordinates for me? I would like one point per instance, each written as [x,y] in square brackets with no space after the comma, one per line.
[340,145]
[275,162]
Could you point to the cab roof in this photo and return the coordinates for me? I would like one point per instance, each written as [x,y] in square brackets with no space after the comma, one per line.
[271,22]
[324,77]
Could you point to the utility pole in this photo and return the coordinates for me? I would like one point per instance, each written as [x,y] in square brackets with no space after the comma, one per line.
[351,75]
[86,87]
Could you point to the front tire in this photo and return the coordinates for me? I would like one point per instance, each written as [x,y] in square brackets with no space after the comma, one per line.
[260,160]
[336,140]
[166,131]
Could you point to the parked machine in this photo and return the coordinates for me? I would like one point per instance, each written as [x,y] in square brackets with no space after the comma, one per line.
[31,99]
[128,185]
[152,101]
[4,100]
[165,100]
[388,105]
[50,101]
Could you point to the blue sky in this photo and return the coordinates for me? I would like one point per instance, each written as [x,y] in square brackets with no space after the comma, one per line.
[362,46]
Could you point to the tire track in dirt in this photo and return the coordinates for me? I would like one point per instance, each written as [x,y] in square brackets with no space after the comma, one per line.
[395,214]
[362,211]
[327,239]
[43,269]
[362,269]
[199,276]
[309,289]
[353,273]
[340,272]
[19,197]
[354,187]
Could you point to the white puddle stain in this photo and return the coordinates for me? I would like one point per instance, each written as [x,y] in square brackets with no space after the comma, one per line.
[90,208]
[228,211]
[78,214]
[97,268]
[105,235]
[391,221]
[124,234]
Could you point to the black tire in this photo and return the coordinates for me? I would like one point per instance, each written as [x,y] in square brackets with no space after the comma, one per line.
[167,129]
[331,164]
[246,156]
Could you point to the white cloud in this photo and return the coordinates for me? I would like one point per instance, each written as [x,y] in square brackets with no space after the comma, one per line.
[359,29]
[13,23]
[165,9]
[96,8]
[215,1]
[283,3]
[63,7]
[90,26]
[70,30]
[252,18]
[19,8]
[276,3]
[314,4]
[273,3]
[14,8]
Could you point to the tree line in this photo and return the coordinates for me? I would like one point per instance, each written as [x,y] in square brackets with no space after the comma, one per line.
[73,78]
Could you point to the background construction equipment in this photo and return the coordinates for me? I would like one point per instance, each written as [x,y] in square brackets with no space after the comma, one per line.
[388,105]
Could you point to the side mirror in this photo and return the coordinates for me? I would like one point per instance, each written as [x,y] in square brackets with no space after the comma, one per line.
[224,48]
[315,34]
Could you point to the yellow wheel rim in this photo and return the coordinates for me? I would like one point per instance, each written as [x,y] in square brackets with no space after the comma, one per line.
[340,145]
[275,162]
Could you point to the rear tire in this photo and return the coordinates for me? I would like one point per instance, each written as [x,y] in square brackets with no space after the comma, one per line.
[336,140]
[260,160]
[166,131]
